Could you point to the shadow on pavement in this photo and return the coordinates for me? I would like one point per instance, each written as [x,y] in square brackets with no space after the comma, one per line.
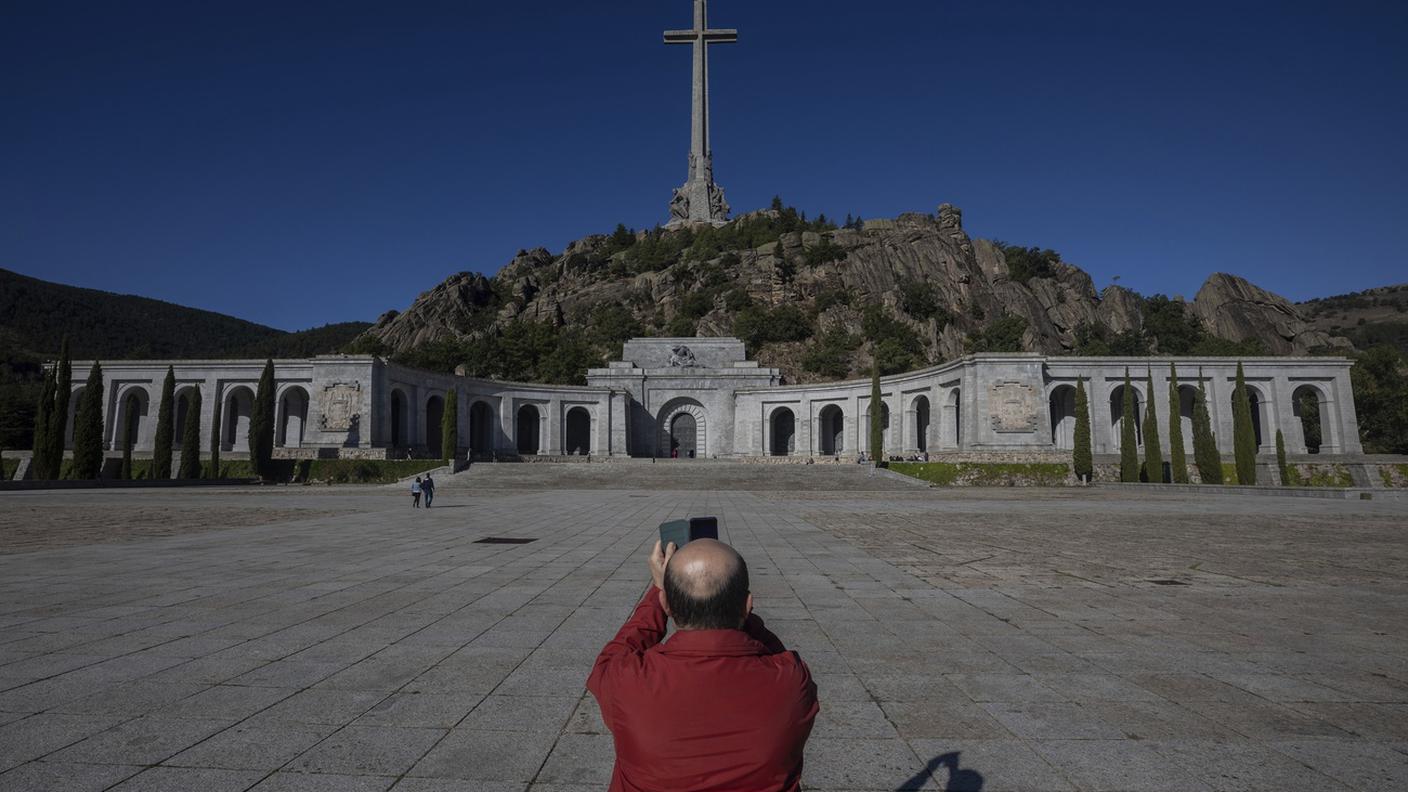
[959,779]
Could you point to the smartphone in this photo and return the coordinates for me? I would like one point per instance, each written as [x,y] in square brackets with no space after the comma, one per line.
[682,532]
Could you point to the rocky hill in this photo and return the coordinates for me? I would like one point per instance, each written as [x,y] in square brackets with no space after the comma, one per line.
[1367,318]
[807,295]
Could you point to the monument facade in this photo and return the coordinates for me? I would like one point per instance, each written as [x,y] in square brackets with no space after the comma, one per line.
[702,398]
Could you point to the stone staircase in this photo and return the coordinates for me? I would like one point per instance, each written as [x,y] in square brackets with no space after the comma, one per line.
[642,474]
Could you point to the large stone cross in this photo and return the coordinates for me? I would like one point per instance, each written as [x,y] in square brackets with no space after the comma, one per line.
[700,200]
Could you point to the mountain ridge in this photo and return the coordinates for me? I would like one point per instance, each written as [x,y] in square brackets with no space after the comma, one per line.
[811,297]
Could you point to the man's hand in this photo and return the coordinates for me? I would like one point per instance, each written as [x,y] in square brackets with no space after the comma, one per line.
[659,557]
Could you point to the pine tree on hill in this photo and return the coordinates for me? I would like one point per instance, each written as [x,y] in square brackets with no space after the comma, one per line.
[1081,459]
[1243,432]
[877,430]
[213,472]
[88,428]
[261,425]
[43,416]
[450,427]
[1205,453]
[58,419]
[165,429]
[190,437]
[1153,449]
[1129,435]
[1177,457]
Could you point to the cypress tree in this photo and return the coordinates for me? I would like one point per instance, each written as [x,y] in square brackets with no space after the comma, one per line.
[88,428]
[129,436]
[1129,437]
[214,471]
[1082,460]
[1243,434]
[450,427]
[38,462]
[1153,449]
[877,431]
[1177,457]
[165,429]
[58,419]
[1284,469]
[1205,454]
[261,424]
[190,437]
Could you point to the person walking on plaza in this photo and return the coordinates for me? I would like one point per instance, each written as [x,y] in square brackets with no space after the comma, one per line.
[428,487]
[415,493]
[722,704]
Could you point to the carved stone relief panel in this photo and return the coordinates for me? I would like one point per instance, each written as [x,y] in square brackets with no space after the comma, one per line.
[339,406]
[1014,407]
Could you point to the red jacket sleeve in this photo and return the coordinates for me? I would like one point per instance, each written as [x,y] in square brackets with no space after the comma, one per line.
[626,651]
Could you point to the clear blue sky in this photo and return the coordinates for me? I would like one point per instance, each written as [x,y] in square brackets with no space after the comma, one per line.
[309,162]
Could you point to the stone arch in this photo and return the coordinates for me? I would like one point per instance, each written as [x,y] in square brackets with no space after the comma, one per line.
[239,408]
[75,396]
[1259,404]
[578,432]
[481,428]
[1310,406]
[920,406]
[182,408]
[434,416]
[1117,414]
[133,418]
[400,419]
[782,432]
[1187,404]
[1062,404]
[526,425]
[831,430]
[670,433]
[293,417]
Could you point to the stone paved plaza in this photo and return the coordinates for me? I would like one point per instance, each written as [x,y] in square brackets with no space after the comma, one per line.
[996,640]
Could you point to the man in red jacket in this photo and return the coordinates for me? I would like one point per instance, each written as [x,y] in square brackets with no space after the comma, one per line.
[721,705]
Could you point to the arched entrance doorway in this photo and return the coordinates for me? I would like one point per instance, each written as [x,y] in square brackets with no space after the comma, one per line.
[293,408]
[1257,405]
[481,428]
[527,426]
[239,406]
[579,432]
[130,428]
[783,438]
[434,431]
[399,432]
[830,425]
[1117,415]
[683,436]
[1307,405]
[1063,417]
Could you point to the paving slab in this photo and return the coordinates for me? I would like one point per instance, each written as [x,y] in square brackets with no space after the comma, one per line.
[329,638]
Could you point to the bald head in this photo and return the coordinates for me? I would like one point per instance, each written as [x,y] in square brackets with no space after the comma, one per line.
[706,586]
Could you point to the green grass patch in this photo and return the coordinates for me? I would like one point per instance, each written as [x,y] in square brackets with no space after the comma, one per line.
[1229,473]
[986,474]
[1326,476]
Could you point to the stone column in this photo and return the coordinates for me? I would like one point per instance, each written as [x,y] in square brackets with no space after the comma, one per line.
[553,418]
[507,441]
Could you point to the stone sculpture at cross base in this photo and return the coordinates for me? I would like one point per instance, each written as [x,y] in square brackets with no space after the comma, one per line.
[700,200]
